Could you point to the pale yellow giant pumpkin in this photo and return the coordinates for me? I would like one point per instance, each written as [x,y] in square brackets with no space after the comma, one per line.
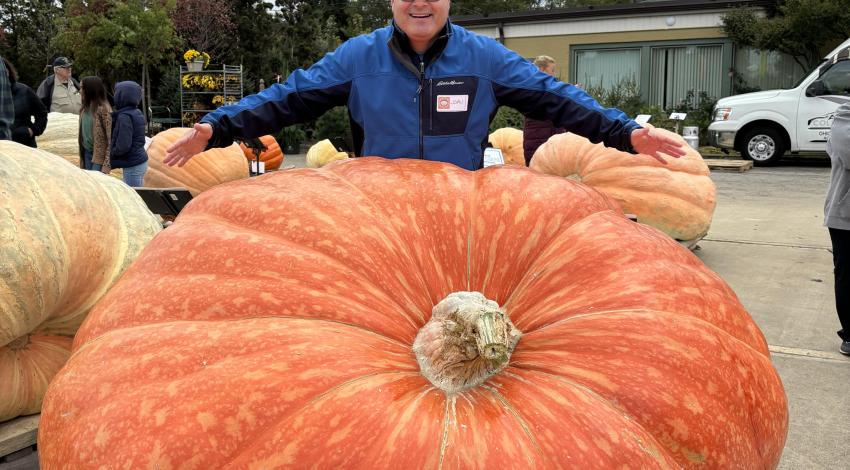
[60,138]
[677,198]
[204,170]
[322,153]
[509,141]
[66,235]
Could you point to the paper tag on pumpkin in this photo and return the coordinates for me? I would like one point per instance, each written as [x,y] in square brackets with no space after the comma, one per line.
[452,103]
[493,156]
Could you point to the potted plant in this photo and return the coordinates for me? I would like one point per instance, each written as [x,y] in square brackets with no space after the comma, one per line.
[196,61]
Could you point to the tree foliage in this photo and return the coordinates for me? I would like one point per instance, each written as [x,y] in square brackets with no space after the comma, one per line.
[27,28]
[205,25]
[799,28]
[115,40]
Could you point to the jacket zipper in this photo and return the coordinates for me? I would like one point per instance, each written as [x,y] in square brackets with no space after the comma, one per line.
[431,106]
[421,103]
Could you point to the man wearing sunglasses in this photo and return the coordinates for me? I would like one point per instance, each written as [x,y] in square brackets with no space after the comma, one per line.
[60,92]
[421,88]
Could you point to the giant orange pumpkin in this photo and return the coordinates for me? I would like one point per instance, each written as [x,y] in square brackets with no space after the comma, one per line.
[66,235]
[321,318]
[204,170]
[677,198]
[272,156]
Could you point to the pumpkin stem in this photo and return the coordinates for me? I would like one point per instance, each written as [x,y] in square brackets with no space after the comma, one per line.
[467,340]
[19,343]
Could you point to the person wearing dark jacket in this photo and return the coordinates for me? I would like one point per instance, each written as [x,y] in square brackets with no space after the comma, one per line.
[537,131]
[30,113]
[423,88]
[127,149]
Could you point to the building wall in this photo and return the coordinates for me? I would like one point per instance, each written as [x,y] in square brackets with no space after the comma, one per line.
[558,47]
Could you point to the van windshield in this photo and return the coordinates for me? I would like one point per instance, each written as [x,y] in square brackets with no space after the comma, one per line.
[798,82]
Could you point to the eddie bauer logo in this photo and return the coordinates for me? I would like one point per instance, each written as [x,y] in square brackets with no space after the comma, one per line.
[452,103]
[452,82]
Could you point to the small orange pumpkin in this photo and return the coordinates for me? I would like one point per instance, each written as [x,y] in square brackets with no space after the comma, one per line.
[272,156]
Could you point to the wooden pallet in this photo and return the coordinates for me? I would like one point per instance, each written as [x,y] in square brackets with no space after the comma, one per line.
[18,433]
[728,164]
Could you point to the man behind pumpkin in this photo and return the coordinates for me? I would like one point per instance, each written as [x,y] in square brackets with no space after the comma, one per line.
[424,88]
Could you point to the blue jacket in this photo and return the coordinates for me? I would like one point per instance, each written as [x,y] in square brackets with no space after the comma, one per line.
[128,127]
[437,106]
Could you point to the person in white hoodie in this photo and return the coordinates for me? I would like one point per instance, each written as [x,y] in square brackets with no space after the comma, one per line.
[837,217]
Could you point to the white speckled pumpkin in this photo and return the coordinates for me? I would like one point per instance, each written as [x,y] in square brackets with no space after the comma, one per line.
[323,152]
[677,198]
[323,318]
[204,170]
[66,235]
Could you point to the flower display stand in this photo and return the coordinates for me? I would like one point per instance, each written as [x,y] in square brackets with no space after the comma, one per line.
[207,90]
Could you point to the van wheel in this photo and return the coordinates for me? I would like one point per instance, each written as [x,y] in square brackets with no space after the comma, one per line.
[763,145]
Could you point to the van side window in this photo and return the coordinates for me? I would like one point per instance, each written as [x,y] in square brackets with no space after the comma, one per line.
[836,80]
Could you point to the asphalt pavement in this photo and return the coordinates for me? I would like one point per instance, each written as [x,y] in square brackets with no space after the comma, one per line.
[767,240]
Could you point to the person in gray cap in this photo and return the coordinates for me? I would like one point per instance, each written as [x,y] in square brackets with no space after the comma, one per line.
[60,92]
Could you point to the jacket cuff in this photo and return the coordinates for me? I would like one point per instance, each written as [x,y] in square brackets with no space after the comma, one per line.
[631,126]
[219,138]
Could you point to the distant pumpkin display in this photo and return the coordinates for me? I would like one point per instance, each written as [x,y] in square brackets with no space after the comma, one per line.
[60,138]
[272,157]
[322,153]
[677,198]
[203,171]
[509,141]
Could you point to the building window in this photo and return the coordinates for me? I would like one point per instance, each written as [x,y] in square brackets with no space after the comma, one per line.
[685,75]
[606,68]
[764,70]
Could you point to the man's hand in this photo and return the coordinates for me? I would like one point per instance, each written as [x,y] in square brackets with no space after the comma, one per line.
[652,142]
[191,144]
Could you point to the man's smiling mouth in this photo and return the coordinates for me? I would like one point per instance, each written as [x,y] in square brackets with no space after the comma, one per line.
[420,16]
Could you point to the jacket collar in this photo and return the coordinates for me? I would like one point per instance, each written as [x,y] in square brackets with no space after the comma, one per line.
[399,44]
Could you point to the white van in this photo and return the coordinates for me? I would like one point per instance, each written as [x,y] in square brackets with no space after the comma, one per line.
[765,124]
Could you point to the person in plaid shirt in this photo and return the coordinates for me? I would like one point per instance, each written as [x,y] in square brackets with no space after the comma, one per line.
[7,108]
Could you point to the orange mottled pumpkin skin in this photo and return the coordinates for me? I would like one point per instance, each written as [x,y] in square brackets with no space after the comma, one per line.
[272,156]
[677,198]
[248,336]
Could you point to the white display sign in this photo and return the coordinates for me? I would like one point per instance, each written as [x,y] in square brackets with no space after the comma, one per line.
[254,167]
[493,156]
[678,116]
[643,118]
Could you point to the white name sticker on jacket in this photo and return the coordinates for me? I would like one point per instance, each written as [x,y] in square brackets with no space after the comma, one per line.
[452,103]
